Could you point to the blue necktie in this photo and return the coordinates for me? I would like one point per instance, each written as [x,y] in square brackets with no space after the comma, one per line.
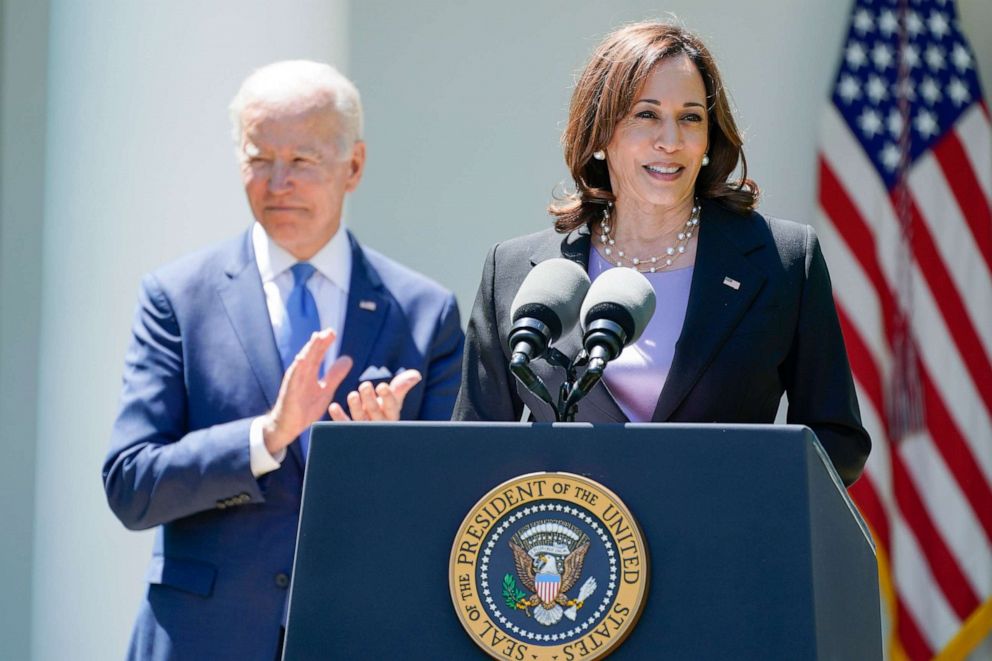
[302,321]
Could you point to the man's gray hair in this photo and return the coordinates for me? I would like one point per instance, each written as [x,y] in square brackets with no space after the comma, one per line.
[295,79]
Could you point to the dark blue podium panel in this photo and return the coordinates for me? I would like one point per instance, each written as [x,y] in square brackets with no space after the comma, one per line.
[755,550]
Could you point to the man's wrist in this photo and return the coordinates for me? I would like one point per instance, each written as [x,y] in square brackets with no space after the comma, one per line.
[273,435]
[262,461]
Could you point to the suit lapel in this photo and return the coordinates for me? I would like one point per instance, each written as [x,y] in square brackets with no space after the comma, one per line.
[714,308]
[368,308]
[244,302]
[574,246]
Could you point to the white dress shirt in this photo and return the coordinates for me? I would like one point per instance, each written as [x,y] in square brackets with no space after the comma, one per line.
[329,286]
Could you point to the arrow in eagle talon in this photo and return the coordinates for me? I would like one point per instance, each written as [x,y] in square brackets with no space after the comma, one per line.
[587,589]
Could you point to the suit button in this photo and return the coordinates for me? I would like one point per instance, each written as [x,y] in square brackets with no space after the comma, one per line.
[282,580]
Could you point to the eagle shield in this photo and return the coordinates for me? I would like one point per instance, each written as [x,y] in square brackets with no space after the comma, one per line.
[547,586]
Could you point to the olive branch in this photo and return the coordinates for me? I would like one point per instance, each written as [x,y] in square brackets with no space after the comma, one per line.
[511,593]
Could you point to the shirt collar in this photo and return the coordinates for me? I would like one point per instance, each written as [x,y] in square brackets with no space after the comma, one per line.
[333,261]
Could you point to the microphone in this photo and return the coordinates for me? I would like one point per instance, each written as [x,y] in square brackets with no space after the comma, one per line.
[546,305]
[614,314]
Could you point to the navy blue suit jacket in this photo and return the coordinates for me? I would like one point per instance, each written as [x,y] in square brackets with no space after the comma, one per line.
[201,365]
[740,347]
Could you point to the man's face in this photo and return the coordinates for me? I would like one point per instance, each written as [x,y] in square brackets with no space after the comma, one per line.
[294,174]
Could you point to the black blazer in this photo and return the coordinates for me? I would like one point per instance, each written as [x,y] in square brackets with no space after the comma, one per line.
[738,351]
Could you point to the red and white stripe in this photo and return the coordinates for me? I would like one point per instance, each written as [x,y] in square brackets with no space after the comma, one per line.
[547,588]
[928,498]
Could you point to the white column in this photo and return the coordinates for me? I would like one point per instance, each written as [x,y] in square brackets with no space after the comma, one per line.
[140,170]
[23,42]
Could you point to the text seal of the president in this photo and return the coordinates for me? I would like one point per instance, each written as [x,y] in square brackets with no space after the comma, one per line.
[549,567]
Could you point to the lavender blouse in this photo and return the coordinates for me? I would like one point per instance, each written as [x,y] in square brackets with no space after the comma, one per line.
[636,377]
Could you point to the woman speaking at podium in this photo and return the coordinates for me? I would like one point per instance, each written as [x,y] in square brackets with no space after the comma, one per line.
[744,306]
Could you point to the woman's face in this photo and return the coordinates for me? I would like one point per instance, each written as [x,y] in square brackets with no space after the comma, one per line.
[656,151]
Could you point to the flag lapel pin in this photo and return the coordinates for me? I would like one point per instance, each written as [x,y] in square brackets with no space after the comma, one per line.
[367,305]
[730,282]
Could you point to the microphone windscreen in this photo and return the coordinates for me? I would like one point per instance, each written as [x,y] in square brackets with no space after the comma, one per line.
[552,293]
[623,296]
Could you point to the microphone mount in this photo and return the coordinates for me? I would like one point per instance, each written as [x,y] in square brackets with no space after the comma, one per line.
[607,338]
[566,406]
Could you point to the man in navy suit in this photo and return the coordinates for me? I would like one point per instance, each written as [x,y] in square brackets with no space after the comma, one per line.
[209,445]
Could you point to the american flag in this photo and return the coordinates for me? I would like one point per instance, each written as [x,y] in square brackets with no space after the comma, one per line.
[905,174]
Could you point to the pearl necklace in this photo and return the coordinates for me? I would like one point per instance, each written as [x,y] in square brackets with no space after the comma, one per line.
[617,255]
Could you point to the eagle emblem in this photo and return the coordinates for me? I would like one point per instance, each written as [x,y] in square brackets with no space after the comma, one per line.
[548,556]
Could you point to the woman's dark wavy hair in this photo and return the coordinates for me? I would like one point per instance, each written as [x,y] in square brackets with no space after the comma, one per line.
[604,96]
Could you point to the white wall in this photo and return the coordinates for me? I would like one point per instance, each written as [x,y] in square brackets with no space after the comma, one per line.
[140,169]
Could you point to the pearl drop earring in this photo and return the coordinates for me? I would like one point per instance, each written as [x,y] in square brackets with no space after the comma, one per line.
[599,155]
[706,160]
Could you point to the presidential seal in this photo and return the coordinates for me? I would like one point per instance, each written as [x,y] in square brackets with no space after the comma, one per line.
[549,567]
